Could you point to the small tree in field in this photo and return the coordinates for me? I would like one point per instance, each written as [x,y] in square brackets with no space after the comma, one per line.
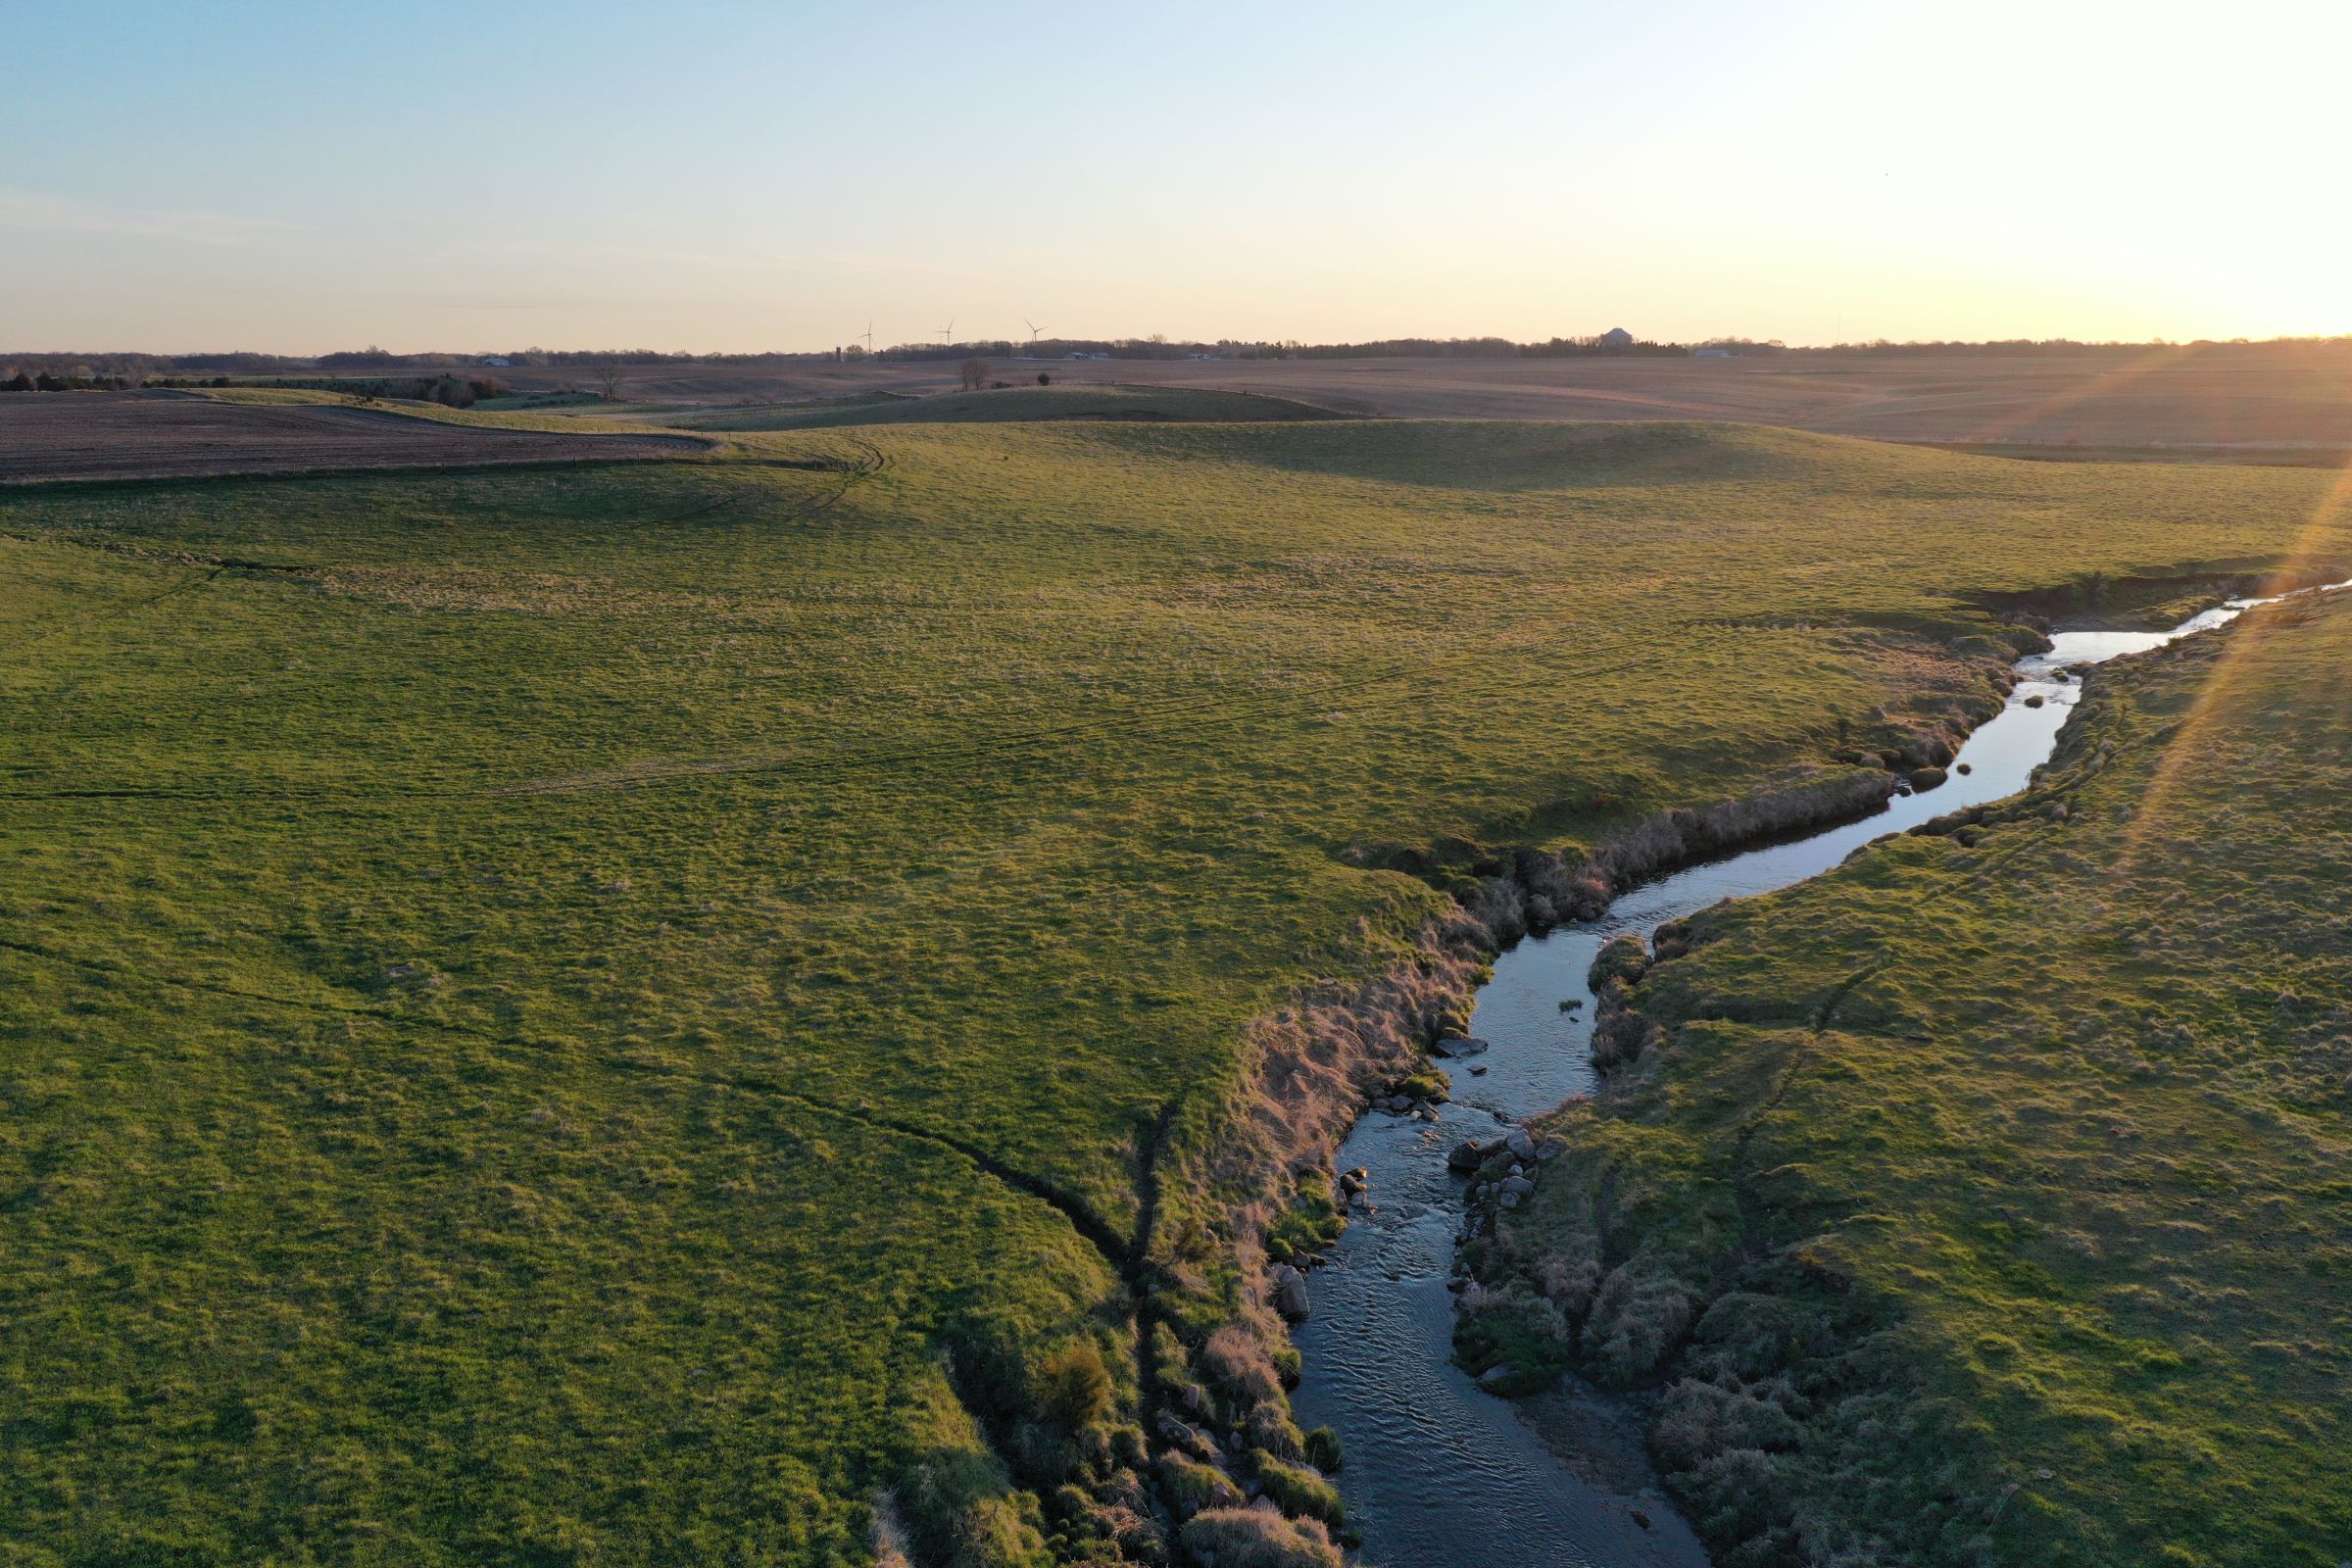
[1043,379]
[607,382]
[975,373]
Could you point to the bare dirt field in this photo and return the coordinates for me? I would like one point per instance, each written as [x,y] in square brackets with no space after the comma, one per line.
[2283,398]
[106,435]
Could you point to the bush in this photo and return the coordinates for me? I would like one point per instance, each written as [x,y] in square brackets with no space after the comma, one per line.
[1625,957]
[1301,1492]
[1259,1538]
[1073,1386]
[1526,1332]
[1191,1487]
[1043,379]
[956,1510]
[1310,1222]
[1236,1366]
[1323,1450]
[1271,1427]
[1434,1087]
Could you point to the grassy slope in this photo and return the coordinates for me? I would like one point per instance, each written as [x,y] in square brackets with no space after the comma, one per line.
[2049,1210]
[1014,403]
[492,1012]
[495,414]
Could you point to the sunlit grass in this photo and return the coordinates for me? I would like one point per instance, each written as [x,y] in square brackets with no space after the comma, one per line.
[514,976]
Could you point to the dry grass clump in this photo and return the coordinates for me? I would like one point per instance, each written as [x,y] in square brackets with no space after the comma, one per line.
[1259,1537]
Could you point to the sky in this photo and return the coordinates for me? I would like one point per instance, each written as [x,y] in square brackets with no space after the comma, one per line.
[302,177]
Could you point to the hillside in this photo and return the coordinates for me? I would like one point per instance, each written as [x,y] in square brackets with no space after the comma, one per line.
[607,1015]
[1154,405]
[1984,1201]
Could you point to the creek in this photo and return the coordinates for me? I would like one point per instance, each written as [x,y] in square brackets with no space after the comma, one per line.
[1437,1472]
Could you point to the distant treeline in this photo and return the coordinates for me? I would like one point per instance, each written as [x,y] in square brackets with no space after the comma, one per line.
[133,369]
[1161,347]
[457,391]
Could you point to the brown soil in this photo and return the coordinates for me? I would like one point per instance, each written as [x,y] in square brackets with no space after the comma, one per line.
[102,435]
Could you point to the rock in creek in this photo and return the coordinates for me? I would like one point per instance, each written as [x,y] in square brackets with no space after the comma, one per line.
[1455,1045]
[1289,1292]
[1465,1157]
[1521,1145]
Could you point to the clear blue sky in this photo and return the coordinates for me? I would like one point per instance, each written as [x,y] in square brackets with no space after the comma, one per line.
[299,177]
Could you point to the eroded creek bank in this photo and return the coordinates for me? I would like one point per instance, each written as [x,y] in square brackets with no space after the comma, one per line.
[1438,1470]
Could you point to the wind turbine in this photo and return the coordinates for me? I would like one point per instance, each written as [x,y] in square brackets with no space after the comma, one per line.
[1034,329]
[947,335]
[870,338]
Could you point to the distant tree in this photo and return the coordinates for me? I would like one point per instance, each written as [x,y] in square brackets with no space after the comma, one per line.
[608,381]
[22,383]
[1043,379]
[975,373]
[46,382]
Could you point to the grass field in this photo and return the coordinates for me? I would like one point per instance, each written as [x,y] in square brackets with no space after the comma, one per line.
[1987,1200]
[603,1015]
[2283,397]
[1161,405]
[111,435]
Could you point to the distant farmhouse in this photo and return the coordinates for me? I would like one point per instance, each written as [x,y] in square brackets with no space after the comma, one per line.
[1616,338]
[1713,354]
[495,360]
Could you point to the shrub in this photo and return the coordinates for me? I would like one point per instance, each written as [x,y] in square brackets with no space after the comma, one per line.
[1259,1538]
[1526,1332]
[1073,1386]
[1323,1450]
[1236,1366]
[1043,379]
[1623,957]
[1433,1087]
[1301,1492]
[1637,1317]
[1310,1222]
[1271,1427]
[1191,1486]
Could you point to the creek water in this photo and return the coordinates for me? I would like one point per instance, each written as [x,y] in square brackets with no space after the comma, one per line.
[1437,1472]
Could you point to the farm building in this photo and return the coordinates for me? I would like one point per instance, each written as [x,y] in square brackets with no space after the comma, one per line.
[1617,337]
[1713,354]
